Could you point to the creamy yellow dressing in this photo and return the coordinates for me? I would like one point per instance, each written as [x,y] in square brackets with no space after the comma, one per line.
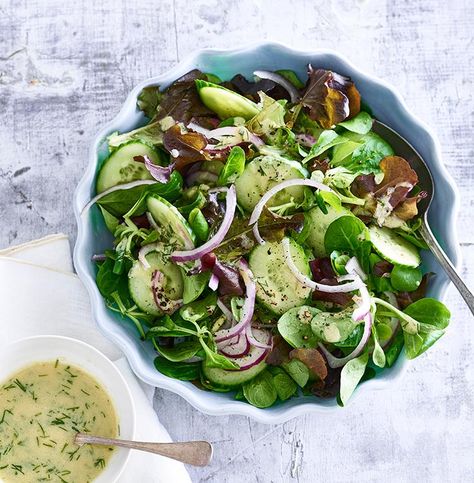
[41,408]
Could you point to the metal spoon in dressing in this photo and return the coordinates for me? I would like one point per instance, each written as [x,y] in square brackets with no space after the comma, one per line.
[196,453]
[404,149]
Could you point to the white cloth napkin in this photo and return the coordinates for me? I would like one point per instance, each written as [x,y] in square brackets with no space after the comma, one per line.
[39,295]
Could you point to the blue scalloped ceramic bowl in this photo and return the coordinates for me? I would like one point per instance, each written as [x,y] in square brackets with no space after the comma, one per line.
[387,105]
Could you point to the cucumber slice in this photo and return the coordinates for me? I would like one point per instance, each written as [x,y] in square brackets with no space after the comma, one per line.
[139,282]
[277,287]
[120,168]
[393,247]
[224,102]
[264,172]
[174,224]
[318,225]
[232,378]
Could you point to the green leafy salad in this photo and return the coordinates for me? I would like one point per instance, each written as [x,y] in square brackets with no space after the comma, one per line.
[266,238]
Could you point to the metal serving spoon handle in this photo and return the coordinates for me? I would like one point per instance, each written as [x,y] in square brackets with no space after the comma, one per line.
[448,267]
[196,453]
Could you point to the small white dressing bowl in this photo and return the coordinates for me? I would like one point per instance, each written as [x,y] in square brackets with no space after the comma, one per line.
[24,352]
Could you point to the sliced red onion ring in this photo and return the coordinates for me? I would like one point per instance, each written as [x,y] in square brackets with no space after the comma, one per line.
[225,343]
[160,173]
[144,251]
[99,257]
[258,337]
[257,235]
[364,305]
[280,80]
[353,266]
[197,128]
[228,314]
[346,287]
[257,211]
[255,355]
[248,307]
[196,253]
[335,362]
[166,305]
[213,282]
[125,186]
[238,349]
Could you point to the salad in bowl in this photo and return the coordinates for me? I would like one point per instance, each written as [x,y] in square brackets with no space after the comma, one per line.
[266,237]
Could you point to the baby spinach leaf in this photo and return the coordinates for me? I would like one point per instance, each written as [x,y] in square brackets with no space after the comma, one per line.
[423,323]
[111,221]
[233,167]
[261,391]
[181,351]
[378,355]
[194,286]
[394,349]
[366,158]
[344,234]
[297,370]
[167,327]
[327,139]
[213,359]
[333,327]
[109,282]
[199,309]
[361,124]
[405,279]
[199,224]
[184,371]
[132,201]
[353,339]
[351,374]
[285,386]
[430,312]
[295,326]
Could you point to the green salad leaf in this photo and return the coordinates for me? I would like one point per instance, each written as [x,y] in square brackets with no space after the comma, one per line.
[184,371]
[295,326]
[233,167]
[261,391]
[351,375]
[344,234]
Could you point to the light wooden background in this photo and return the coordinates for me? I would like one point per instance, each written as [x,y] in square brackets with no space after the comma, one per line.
[65,69]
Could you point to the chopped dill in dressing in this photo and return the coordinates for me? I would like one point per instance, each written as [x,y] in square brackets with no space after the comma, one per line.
[42,407]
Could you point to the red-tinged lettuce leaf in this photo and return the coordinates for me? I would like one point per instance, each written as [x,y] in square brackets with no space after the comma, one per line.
[404,299]
[280,352]
[149,100]
[399,176]
[322,272]
[363,185]
[250,89]
[240,239]
[329,97]
[382,268]
[313,359]
[330,386]
[185,148]
[181,100]
[229,279]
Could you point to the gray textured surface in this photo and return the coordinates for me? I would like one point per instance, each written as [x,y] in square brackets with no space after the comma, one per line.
[65,69]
